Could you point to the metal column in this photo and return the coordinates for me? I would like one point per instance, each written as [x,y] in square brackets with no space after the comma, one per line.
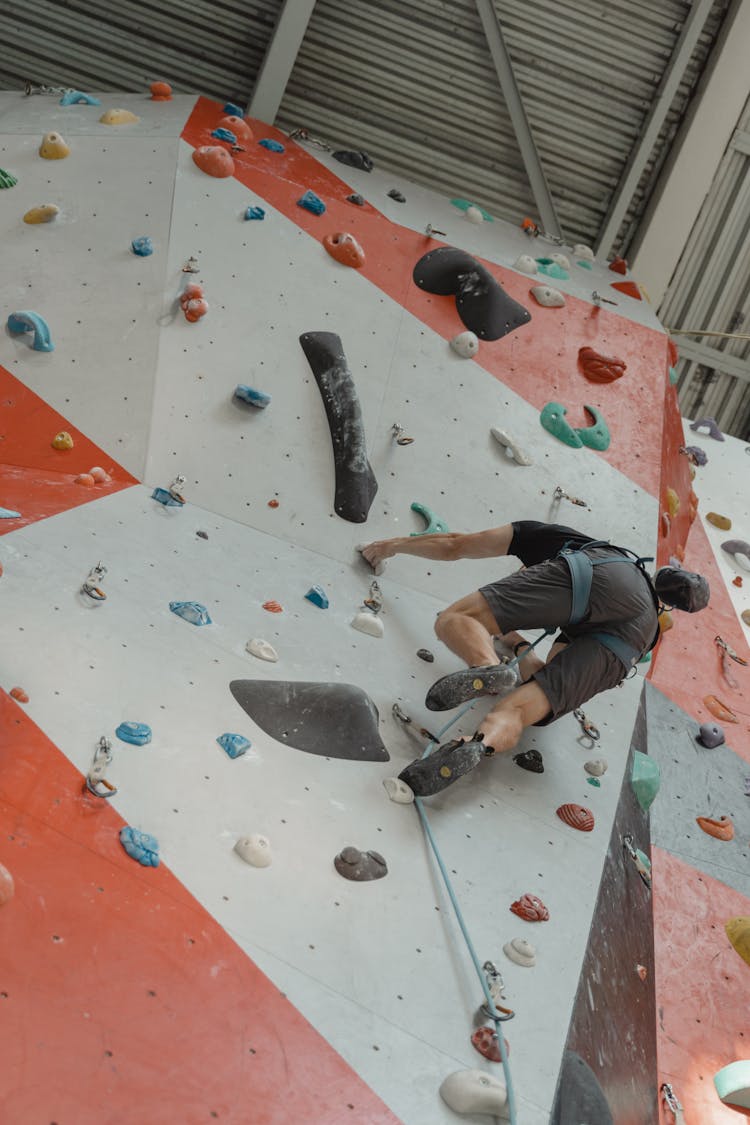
[279,60]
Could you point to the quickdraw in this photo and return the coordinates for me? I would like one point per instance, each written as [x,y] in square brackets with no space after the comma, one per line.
[96,782]
[496,989]
[559,495]
[640,860]
[91,586]
[400,436]
[590,731]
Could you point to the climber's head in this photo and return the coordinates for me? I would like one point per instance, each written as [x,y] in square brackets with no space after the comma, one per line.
[681,589]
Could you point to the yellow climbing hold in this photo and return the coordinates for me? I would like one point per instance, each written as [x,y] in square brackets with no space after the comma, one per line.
[119,117]
[722,522]
[63,440]
[53,147]
[445,771]
[673,503]
[665,621]
[746,616]
[738,932]
[477,684]
[45,213]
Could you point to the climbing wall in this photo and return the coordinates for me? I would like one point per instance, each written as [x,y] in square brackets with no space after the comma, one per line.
[348,1001]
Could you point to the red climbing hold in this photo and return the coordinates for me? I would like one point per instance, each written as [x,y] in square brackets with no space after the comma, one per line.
[577,816]
[485,1041]
[273,607]
[239,127]
[214,161]
[672,352]
[273,503]
[161,92]
[737,581]
[629,288]
[600,368]
[530,908]
[618,265]
[19,695]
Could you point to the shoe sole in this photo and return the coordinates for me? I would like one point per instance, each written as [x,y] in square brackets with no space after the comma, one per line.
[470,683]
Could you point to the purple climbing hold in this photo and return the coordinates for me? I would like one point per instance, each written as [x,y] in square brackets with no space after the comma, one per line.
[711,427]
[695,455]
[737,547]
[711,735]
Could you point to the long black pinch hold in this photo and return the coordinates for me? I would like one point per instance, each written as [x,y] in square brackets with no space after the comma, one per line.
[355,481]
[482,303]
[354,159]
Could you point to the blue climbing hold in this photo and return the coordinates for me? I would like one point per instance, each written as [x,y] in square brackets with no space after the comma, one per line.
[233,110]
[249,394]
[140,846]
[255,213]
[75,97]
[137,734]
[32,322]
[224,135]
[234,744]
[143,247]
[311,202]
[165,497]
[8,514]
[193,612]
[272,146]
[318,597]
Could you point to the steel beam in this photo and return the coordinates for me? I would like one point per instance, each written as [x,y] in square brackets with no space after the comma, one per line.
[712,358]
[529,154]
[639,156]
[279,59]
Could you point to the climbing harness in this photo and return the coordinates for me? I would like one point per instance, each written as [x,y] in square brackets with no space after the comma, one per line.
[91,588]
[640,861]
[96,782]
[589,730]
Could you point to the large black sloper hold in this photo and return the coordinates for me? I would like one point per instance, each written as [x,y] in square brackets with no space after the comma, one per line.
[355,481]
[482,303]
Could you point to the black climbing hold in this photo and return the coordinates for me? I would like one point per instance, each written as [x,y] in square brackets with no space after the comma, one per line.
[360,867]
[202,534]
[530,760]
[430,775]
[425,654]
[355,481]
[355,197]
[482,303]
[333,720]
[579,1095]
[354,159]
[394,193]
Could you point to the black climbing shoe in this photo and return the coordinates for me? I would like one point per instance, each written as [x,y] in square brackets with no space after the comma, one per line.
[430,775]
[470,683]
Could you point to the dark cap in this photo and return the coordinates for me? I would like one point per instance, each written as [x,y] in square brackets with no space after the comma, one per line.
[682,589]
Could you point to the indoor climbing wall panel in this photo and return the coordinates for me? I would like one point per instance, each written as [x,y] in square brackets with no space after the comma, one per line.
[377,970]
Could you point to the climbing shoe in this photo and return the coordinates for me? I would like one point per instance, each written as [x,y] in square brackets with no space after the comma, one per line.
[430,775]
[471,683]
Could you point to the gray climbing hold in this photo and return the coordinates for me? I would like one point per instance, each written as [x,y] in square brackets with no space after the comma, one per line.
[711,735]
[520,951]
[360,867]
[579,1096]
[482,303]
[465,344]
[398,791]
[596,767]
[354,159]
[739,549]
[474,1091]
[255,850]
[264,650]
[711,427]
[426,655]
[511,446]
[369,623]
[547,296]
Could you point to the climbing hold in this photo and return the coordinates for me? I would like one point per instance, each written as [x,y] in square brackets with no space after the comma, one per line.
[547,296]
[274,146]
[222,134]
[465,204]
[161,92]
[433,524]
[525,264]
[530,760]
[577,816]
[737,581]
[618,265]
[355,481]
[214,161]
[44,213]
[485,1041]
[585,253]
[140,846]
[192,302]
[235,745]
[76,97]
[273,502]
[721,828]
[596,767]
[7,179]
[366,622]
[600,368]
[235,123]
[137,734]
[560,260]
[63,440]
[273,607]
[19,695]
[511,446]
[710,426]
[360,867]
[673,376]
[722,522]
[354,159]
[255,213]
[143,246]
[645,779]
[738,932]
[356,199]
[474,215]
[27,321]
[665,622]
[594,781]
[264,650]
[234,110]
[597,435]
[425,654]
[483,305]
[642,971]
[520,951]
[344,248]
[394,193]
[53,147]
[85,479]
[745,615]
[694,454]
[255,850]
[473,1091]
[193,612]
[119,117]
[739,549]
[551,268]
[310,202]
[711,735]
[552,419]
[249,395]
[629,288]
[398,791]
[530,908]
[673,503]
[732,1084]
[7,886]
[318,597]
[465,344]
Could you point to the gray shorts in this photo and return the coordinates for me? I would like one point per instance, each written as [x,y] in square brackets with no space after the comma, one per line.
[540,597]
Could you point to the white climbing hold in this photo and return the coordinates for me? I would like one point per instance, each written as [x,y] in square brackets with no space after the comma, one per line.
[520,951]
[511,446]
[561,261]
[580,250]
[369,623]
[376,570]
[474,215]
[255,850]
[264,650]
[474,1091]
[596,767]
[548,296]
[465,344]
[398,790]
[525,263]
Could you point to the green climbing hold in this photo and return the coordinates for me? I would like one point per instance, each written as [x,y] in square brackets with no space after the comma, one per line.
[553,420]
[465,204]
[551,269]
[645,779]
[435,526]
[596,436]
[673,376]
[645,659]
[7,179]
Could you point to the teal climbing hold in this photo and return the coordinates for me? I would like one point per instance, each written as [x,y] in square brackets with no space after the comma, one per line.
[673,376]
[551,269]
[465,204]
[596,436]
[553,420]
[435,526]
[26,321]
[645,779]
[585,265]
[594,781]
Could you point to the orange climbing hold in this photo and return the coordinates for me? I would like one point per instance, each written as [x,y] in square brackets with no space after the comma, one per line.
[618,265]
[273,503]
[721,828]
[214,161]
[239,127]
[63,440]
[193,303]
[530,908]
[19,695]
[629,288]
[600,368]
[737,581]
[100,475]
[529,226]
[680,553]
[7,887]
[273,607]
[86,480]
[719,709]
[161,92]
[577,816]
[345,249]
